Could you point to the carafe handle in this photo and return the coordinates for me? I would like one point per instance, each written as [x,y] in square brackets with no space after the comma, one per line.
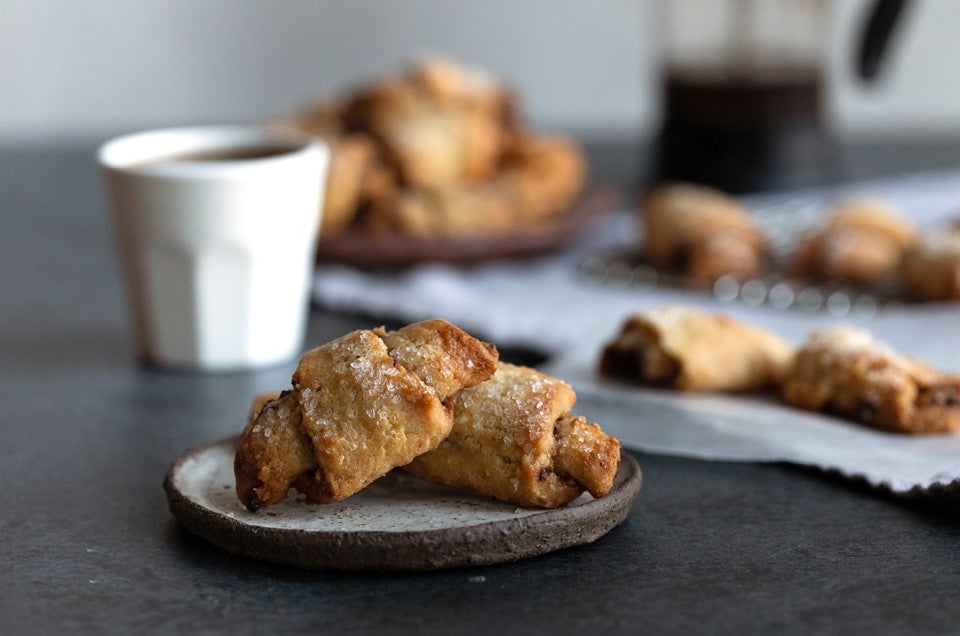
[875,37]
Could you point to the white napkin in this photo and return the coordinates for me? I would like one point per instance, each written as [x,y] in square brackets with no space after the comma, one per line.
[547,303]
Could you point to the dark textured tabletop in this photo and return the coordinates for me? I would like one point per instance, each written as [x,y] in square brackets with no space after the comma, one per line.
[87,543]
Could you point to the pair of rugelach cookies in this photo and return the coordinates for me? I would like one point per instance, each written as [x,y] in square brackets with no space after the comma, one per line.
[843,371]
[429,398]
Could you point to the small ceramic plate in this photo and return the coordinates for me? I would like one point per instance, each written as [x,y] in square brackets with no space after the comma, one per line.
[397,523]
[379,250]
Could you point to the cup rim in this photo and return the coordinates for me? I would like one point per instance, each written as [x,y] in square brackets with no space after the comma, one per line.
[142,152]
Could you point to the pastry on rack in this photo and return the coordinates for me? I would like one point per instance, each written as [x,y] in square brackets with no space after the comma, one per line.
[846,372]
[862,242]
[683,348]
[701,233]
[359,406]
[514,439]
[931,268]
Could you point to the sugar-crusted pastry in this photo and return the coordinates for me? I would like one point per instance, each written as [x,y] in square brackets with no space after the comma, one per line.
[931,269]
[514,439]
[846,372]
[359,406]
[863,242]
[701,233]
[686,349]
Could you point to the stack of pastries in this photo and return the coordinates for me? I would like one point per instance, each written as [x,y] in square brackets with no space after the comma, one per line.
[429,398]
[438,151]
[843,371]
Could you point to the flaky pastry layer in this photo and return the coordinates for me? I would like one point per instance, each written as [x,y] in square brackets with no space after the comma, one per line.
[846,372]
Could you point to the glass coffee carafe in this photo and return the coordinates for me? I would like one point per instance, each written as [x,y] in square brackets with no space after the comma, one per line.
[744,90]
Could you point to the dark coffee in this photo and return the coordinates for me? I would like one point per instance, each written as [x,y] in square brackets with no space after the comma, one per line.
[232,153]
[743,128]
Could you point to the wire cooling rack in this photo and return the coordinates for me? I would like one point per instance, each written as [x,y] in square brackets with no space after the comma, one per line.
[783,225]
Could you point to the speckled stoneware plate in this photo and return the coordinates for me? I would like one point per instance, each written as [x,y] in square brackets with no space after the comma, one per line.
[397,523]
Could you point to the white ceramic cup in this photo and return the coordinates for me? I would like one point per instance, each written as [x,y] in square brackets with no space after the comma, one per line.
[217,253]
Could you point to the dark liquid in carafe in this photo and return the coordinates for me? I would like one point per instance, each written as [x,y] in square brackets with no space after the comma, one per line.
[743,128]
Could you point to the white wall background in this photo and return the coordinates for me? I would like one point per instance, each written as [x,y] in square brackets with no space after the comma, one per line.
[81,68]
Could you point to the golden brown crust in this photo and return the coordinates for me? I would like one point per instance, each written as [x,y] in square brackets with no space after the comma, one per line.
[272,454]
[586,454]
[363,413]
[701,233]
[846,372]
[686,349]
[260,401]
[358,408]
[514,439]
[862,242]
[446,357]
